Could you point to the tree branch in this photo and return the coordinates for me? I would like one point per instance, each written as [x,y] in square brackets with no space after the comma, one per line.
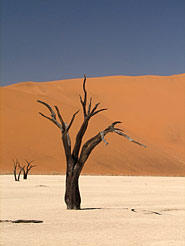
[71,122]
[103,139]
[61,119]
[53,115]
[94,141]
[29,162]
[29,166]
[85,92]
[94,109]
[98,111]
[89,108]
[82,131]
[87,115]
[84,101]
[129,138]
[79,137]
[63,127]
[53,121]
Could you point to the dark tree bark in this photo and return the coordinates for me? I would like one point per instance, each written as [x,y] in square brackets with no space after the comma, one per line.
[74,158]
[27,168]
[16,166]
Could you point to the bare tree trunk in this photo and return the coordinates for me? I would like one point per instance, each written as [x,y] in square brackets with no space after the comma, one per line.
[72,192]
[17,165]
[25,175]
[19,174]
[15,175]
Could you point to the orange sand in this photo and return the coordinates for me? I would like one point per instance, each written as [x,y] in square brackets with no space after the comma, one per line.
[150,107]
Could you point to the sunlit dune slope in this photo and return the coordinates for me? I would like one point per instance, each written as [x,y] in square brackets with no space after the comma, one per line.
[151,109]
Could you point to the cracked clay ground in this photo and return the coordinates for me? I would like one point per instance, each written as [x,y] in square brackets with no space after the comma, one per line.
[116,211]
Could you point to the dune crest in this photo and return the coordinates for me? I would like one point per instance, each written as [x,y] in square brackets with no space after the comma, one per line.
[151,108]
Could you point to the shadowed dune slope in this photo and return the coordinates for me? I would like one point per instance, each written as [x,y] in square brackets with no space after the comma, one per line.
[151,109]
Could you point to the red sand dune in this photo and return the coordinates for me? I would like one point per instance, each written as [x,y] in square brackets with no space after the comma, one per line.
[150,107]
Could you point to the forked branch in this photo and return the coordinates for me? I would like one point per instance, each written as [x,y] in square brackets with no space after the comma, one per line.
[64,127]
[89,112]
[94,141]
[71,122]
[87,108]
[53,115]
[29,166]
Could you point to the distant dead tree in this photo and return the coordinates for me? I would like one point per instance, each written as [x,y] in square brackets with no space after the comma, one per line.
[17,167]
[75,158]
[27,168]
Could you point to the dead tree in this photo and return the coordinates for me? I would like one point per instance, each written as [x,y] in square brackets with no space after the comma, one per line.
[75,159]
[16,166]
[27,168]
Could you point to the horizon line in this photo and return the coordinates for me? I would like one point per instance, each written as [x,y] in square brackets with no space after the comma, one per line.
[91,77]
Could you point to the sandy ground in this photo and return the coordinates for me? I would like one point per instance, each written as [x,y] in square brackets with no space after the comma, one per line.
[116,211]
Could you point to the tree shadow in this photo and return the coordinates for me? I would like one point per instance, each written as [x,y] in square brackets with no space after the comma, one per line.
[104,208]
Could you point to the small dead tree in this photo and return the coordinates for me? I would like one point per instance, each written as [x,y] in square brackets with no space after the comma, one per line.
[16,167]
[27,168]
[75,158]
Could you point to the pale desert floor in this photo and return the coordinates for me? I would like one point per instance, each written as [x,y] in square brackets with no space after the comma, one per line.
[116,211]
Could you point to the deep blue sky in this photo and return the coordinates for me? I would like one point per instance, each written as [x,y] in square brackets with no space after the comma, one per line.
[44,40]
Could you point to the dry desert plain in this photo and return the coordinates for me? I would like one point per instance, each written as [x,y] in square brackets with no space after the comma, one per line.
[116,211]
